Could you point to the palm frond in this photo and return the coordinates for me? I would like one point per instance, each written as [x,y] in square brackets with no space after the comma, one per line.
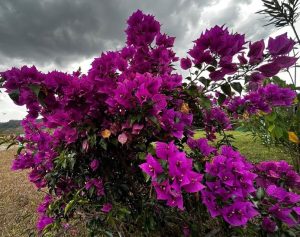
[280,13]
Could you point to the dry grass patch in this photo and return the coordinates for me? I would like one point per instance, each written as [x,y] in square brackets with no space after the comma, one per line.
[18,200]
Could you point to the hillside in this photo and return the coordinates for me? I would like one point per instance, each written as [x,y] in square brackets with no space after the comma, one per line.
[12,126]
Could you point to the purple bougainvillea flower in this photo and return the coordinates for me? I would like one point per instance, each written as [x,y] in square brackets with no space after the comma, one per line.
[142,29]
[210,202]
[268,225]
[256,51]
[94,164]
[242,59]
[175,198]
[42,208]
[282,195]
[165,150]
[142,94]
[96,183]
[106,207]
[122,138]
[152,167]
[162,190]
[194,184]
[217,75]
[185,63]
[227,177]
[297,210]
[136,128]
[186,231]
[285,61]
[44,221]
[277,96]
[280,45]
[201,145]
[283,214]
[269,69]
[270,172]
[165,40]
[179,164]
[239,213]
[232,183]
[257,77]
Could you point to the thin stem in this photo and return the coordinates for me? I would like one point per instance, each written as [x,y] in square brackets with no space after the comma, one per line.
[295,70]
[291,77]
[295,32]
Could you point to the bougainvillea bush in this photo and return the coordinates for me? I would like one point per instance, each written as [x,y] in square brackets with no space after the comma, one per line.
[115,148]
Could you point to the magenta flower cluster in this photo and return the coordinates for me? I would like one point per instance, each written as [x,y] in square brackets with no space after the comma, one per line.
[229,185]
[280,204]
[180,175]
[217,43]
[278,173]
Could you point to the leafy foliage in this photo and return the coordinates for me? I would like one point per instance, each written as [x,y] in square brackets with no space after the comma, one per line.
[281,13]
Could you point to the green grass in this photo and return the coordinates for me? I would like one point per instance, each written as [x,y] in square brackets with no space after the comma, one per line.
[254,150]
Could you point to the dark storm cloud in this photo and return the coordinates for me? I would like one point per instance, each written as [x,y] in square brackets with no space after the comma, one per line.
[60,32]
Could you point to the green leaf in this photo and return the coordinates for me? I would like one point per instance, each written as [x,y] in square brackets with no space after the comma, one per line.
[271,127]
[260,193]
[221,98]
[197,167]
[124,211]
[69,206]
[278,132]
[192,90]
[237,87]
[72,162]
[226,89]
[103,144]
[291,233]
[247,78]
[20,148]
[242,129]
[142,155]
[161,177]
[278,81]
[204,81]
[14,95]
[64,163]
[211,69]
[36,89]
[108,234]
[199,66]
[151,149]
[271,117]
[2,80]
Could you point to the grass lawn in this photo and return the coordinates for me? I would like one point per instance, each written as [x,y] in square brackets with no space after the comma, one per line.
[254,150]
[19,198]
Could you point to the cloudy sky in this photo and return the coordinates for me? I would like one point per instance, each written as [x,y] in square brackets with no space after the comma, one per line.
[66,34]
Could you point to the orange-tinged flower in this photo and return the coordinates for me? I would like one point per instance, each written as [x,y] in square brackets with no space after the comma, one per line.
[294,138]
[106,133]
[261,113]
[245,115]
[185,108]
